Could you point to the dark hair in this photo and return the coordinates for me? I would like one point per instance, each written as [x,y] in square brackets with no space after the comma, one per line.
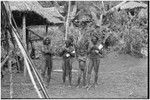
[46,41]
[69,43]
[94,39]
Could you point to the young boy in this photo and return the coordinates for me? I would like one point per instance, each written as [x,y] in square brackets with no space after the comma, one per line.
[94,54]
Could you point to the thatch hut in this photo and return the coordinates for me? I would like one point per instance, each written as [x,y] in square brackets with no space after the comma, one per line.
[32,8]
[133,7]
[30,14]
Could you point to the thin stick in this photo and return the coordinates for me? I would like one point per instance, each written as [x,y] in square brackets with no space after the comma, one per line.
[24,53]
[27,66]
[35,34]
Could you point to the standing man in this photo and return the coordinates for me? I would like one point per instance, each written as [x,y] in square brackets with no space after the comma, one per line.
[67,53]
[47,53]
[94,54]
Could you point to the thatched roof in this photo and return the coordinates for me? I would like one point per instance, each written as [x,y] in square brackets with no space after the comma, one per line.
[46,4]
[49,13]
[131,5]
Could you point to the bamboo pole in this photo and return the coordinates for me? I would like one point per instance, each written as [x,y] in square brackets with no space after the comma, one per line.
[28,67]
[24,39]
[23,51]
[10,60]
[67,22]
[32,79]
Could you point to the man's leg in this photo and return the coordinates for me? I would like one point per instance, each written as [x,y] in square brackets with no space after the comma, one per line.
[79,77]
[64,71]
[49,70]
[70,77]
[80,72]
[84,78]
[44,70]
[70,71]
[96,69]
[84,74]
[90,66]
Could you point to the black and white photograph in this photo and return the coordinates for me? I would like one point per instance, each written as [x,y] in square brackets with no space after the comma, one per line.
[74,49]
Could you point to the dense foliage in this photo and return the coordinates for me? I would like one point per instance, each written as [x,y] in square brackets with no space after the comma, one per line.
[125,30]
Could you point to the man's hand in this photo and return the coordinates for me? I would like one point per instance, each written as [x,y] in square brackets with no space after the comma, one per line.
[67,55]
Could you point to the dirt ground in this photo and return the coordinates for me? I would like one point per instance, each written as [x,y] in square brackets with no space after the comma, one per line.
[120,76]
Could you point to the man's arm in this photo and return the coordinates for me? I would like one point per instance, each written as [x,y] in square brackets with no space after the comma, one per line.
[45,49]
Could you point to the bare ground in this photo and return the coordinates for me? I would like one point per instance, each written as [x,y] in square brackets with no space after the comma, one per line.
[120,76]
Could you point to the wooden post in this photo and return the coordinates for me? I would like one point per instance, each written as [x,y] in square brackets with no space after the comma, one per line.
[27,39]
[24,38]
[46,29]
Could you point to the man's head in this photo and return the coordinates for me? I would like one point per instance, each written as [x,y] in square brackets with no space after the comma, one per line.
[69,42]
[94,40]
[46,41]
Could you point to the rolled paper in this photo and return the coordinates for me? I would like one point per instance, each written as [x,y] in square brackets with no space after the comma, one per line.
[100,46]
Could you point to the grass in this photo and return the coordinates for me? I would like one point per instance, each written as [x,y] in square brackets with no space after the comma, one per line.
[120,76]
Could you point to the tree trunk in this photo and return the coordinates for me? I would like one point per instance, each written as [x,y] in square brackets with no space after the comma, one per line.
[67,21]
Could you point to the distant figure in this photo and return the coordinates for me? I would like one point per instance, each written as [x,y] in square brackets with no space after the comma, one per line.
[47,52]
[67,53]
[94,54]
[19,63]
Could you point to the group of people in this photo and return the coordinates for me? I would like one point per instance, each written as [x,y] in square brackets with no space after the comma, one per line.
[89,51]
